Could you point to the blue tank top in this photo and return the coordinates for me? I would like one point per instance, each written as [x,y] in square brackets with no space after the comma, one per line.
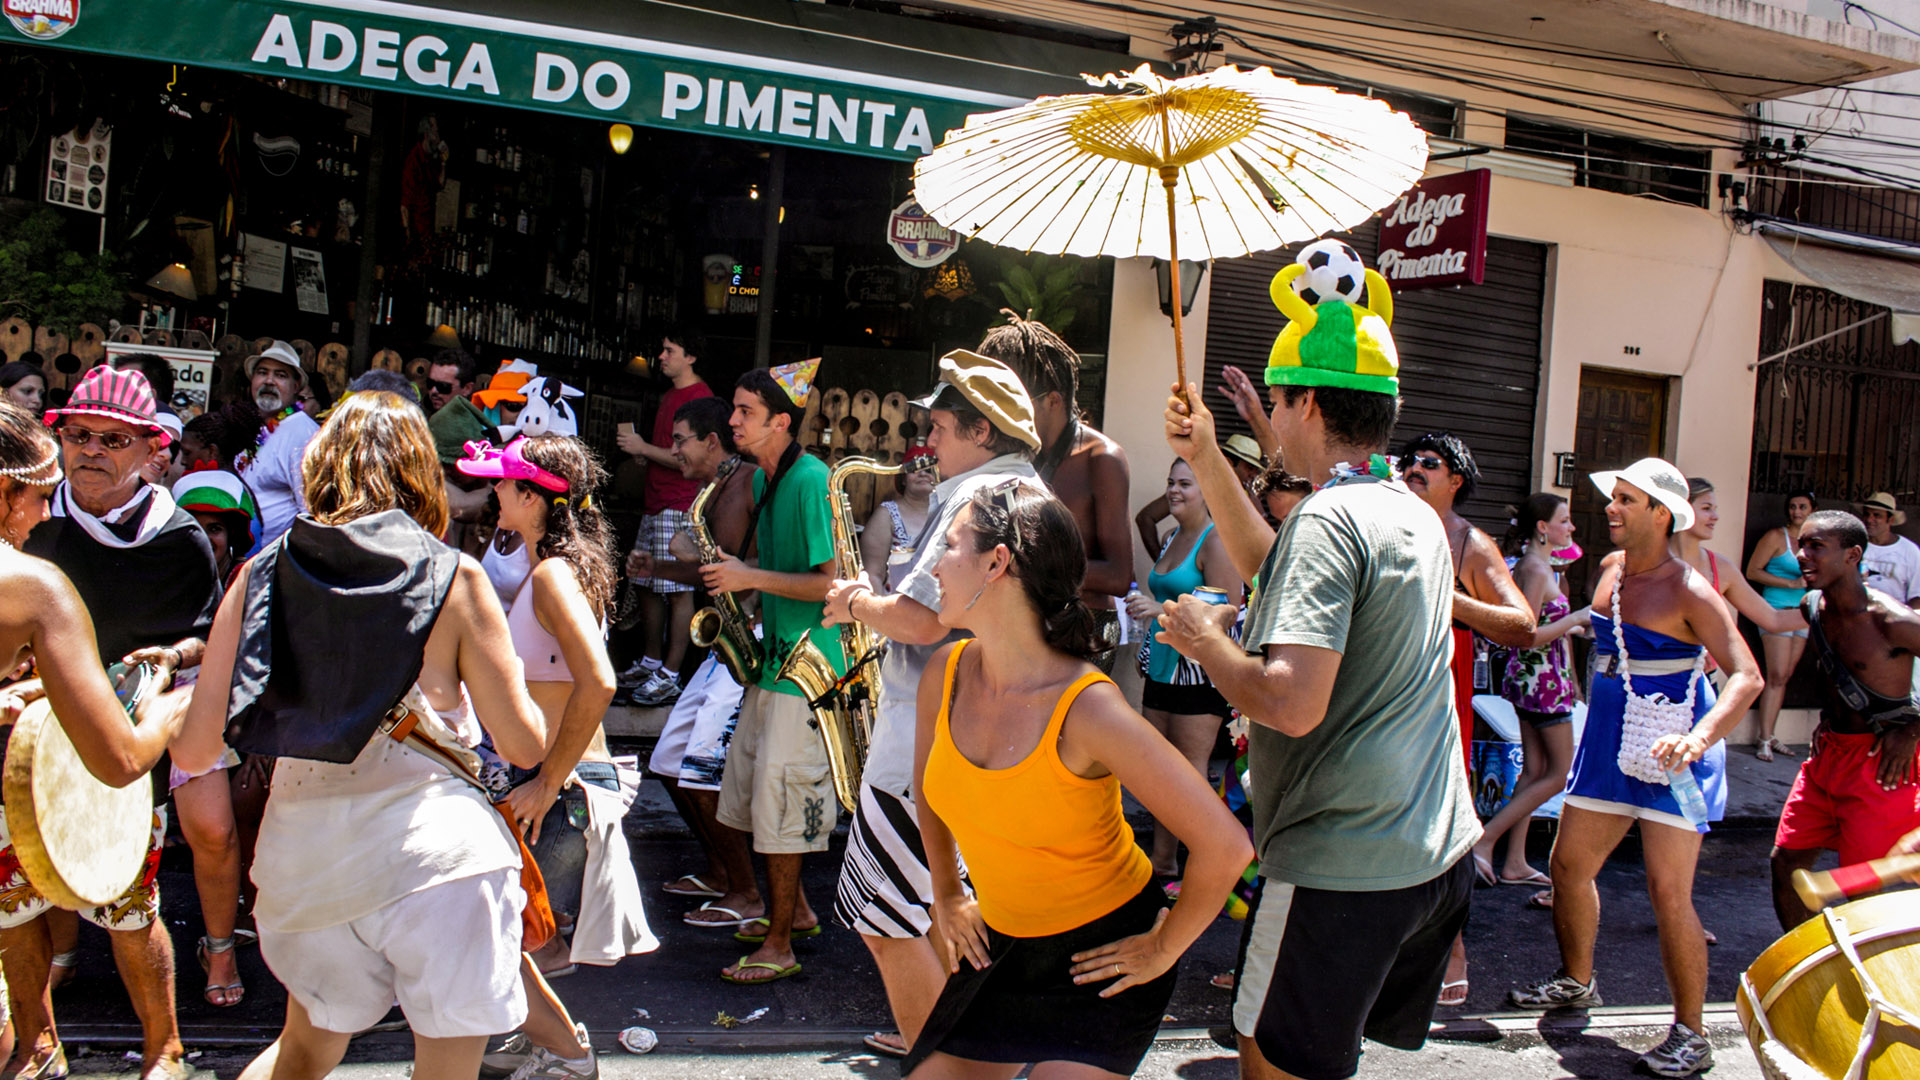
[1175,583]
[1784,565]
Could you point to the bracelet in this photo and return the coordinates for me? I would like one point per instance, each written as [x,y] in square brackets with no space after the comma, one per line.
[862,591]
[179,658]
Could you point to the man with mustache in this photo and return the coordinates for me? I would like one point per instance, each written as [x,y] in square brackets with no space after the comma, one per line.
[275,377]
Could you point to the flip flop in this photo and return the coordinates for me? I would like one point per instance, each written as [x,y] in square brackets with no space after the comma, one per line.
[877,1042]
[1535,878]
[743,964]
[1542,900]
[1445,988]
[1223,981]
[701,888]
[734,919]
[758,939]
[1483,870]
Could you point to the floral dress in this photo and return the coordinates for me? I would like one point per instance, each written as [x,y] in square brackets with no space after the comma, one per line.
[1541,680]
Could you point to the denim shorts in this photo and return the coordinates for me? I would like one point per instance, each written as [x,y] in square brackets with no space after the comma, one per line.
[561,853]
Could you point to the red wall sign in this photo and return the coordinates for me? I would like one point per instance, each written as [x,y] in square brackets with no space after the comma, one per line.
[1436,234]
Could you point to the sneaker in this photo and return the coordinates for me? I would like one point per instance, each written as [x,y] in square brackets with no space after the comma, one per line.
[1560,992]
[636,674]
[1683,1054]
[506,1060]
[547,1065]
[660,689]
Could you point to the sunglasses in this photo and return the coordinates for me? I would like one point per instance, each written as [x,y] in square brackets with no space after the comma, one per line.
[1431,464]
[110,440]
[1000,497]
[440,386]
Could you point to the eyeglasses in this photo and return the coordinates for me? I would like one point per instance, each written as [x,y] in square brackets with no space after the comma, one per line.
[109,440]
[1431,464]
[440,386]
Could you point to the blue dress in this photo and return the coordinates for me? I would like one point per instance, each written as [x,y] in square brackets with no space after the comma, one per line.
[1596,769]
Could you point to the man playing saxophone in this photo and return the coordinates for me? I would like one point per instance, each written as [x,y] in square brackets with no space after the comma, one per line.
[982,433]
[777,784]
[691,756]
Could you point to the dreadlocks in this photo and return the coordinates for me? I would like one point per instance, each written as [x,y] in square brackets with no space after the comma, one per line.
[1043,361]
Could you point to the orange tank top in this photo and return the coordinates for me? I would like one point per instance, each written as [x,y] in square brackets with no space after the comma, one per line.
[1047,850]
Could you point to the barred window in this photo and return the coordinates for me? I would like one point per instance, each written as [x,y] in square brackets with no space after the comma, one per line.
[1616,163]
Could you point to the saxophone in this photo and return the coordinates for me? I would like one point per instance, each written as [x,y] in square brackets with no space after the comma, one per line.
[723,627]
[843,706]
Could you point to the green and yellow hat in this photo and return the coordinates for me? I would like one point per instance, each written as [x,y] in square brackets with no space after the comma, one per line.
[1334,343]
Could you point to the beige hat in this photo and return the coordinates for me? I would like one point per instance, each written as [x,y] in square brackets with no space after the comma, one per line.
[991,387]
[1883,500]
[1244,448]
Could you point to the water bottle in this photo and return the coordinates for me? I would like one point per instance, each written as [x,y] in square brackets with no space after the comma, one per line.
[1686,792]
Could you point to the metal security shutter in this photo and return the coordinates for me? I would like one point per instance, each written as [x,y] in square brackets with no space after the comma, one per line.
[1469,357]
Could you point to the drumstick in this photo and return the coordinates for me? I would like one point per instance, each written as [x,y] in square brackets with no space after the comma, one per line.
[1818,889]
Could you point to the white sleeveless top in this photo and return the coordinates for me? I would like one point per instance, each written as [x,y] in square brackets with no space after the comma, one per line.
[507,572]
[340,842]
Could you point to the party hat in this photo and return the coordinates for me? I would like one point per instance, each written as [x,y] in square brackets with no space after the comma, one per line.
[797,379]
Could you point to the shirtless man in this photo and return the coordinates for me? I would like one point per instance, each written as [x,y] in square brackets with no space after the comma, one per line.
[1859,790]
[689,758]
[1086,469]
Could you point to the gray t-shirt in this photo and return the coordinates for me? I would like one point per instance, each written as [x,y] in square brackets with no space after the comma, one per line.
[890,753]
[1376,797]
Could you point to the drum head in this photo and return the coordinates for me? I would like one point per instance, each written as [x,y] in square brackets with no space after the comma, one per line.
[80,842]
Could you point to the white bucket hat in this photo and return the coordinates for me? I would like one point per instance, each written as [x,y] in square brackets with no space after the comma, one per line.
[1662,482]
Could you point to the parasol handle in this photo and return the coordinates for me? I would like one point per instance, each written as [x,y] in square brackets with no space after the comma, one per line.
[1170,178]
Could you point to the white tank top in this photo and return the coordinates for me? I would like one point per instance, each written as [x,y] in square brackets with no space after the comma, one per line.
[539,651]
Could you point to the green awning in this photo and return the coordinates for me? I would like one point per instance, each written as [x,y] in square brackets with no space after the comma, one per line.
[770,70]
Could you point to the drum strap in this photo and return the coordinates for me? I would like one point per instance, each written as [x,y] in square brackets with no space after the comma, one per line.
[402,725]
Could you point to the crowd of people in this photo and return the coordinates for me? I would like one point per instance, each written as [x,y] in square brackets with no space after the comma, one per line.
[386,620]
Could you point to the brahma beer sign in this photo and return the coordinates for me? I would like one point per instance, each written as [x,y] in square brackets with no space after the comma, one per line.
[43,20]
[1437,233]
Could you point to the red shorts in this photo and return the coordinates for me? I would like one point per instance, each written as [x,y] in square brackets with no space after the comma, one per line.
[1463,691]
[1837,802]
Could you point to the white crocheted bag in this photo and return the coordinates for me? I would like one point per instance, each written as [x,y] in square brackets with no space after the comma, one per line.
[1648,717]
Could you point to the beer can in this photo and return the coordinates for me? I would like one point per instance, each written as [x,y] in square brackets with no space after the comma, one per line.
[1207,594]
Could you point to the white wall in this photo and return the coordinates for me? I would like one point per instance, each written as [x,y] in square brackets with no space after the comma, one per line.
[1851,117]
[1139,374]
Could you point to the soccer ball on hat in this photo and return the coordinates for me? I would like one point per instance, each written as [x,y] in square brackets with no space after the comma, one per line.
[1334,272]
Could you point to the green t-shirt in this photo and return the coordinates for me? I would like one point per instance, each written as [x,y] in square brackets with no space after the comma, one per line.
[795,535]
[1376,797]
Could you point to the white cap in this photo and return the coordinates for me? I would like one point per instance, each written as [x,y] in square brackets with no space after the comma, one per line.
[280,353]
[1661,480]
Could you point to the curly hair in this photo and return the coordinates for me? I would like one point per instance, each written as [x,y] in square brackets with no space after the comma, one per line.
[1044,362]
[375,454]
[576,531]
[1048,559]
[1453,454]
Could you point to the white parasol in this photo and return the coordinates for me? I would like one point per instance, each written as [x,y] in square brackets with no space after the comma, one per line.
[1247,161]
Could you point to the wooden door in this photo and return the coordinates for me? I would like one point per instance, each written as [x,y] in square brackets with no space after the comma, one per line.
[1623,418]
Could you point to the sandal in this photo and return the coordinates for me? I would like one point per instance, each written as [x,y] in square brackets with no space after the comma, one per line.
[1452,994]
[1483,870]
[1542,900]
[219,995]
[700,887]
[877,1042]
[1223,981]
[743,964]
[54,1068]
[1763,750]
[733,918]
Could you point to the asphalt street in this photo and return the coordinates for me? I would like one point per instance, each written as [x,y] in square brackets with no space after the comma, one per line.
[812,1022]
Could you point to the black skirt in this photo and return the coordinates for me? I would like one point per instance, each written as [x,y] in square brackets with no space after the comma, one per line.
[1024,1007]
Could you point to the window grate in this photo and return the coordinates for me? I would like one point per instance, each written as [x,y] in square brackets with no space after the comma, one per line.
[1615,163]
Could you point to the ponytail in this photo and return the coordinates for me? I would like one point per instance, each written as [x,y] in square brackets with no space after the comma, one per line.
[1048,558]
[1523,519]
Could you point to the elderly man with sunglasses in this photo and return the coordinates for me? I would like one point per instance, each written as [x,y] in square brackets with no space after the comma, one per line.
[275,378]
[146,573]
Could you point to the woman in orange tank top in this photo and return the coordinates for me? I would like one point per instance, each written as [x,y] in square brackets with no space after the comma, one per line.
[1022,749]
